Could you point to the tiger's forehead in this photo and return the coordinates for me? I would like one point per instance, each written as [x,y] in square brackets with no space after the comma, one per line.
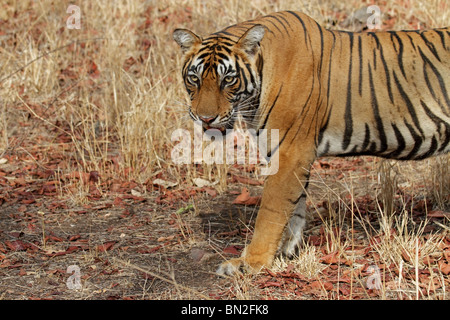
[214,57]
[218,44]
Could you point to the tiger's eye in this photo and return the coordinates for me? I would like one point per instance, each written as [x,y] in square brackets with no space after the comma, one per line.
[228,79]
[193,79]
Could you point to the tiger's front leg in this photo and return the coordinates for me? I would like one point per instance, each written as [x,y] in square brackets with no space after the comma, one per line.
[282,194]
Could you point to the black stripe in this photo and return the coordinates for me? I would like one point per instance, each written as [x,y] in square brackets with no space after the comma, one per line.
[430,151]
[409,105]
[269,154]
[304,112]
[439,77]
[366,138]
[204,55]
[301,21]
[400,141]
[386,70]
[329,66]
[348,107]
[400,52]
[223,56]
[270,110]
[214,37]
[280,22]
[222,33]
[376,114]
[302,194]
[241,74]
[430,45]
[374,59]
[322,130]
[360,53]
[284,19]
[249,69]
[273,23]
[438,122]
[327,148]
[226,49]
[417,142]
[442,37]
[411,41]
[319,70]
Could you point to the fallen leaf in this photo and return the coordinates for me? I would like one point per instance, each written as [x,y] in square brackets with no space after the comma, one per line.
[53,238]
[54,253]
[245,198]
[331,258]
[406,256]
[164,239]
[212,192]
[271,284]
[316,285]
[164,183]
[106,246]
[428,260]
[149,250]
[93,70]
[328,286]
[16,245]
[444,267]
[136,193]
[438,214]
[231,250]
[249,181]
[197,254]
[93,176]
[344,291]
[118,201]
[199,182]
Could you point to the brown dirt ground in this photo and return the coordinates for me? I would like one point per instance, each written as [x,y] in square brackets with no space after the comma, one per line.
[131,247]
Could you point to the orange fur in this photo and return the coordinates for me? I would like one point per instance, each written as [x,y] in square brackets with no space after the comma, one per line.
[327,92]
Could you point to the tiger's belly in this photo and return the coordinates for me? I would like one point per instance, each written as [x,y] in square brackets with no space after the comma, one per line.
[390,140]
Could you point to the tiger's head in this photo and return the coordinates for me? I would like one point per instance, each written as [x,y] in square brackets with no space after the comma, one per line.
[221,76]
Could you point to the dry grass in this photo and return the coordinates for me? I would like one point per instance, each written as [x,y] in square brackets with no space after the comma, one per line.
[106,99]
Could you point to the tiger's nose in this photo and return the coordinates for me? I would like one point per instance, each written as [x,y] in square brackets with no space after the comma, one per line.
[207,120]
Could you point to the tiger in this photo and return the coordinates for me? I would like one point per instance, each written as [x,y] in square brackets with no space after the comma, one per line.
[328,93]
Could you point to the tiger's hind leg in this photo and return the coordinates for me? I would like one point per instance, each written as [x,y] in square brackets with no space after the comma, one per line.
[293,234]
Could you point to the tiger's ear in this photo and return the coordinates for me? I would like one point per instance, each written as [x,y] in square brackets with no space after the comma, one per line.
[185,39]
[249,42]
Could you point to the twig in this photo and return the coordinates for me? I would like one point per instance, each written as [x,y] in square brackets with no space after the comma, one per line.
[172,282]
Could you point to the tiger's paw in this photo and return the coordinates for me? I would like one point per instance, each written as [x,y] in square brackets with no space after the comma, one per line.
[249,264]
[230,267]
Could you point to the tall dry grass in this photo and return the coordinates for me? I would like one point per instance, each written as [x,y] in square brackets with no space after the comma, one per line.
[131,103]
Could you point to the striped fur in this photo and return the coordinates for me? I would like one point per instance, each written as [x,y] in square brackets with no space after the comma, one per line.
[330,93]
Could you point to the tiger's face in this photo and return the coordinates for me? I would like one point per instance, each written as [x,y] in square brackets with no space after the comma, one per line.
[221,76]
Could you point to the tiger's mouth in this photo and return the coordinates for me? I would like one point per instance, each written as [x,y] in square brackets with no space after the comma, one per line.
[207,127]
[224,129]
